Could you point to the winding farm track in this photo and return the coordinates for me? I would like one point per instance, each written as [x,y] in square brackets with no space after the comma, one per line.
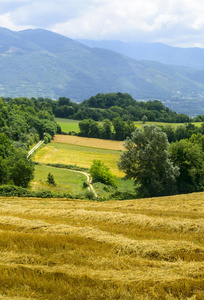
[84,173]
[88,181]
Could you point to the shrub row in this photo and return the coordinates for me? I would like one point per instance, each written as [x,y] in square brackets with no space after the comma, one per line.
[16,191]
[70,167]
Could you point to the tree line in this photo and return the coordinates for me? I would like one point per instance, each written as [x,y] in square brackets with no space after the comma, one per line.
[116,105]
[115,130]
[107,106]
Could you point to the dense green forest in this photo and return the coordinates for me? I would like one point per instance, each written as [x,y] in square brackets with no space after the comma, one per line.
[100,107]
[23,122]
[113,105]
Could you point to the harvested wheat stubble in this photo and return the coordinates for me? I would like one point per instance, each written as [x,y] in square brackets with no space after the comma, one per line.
[137,219]
[147,248]
[55,249]
[89,142]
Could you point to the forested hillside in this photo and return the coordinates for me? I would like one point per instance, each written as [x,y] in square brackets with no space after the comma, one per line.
[113,105]
[22,123]
[25,120]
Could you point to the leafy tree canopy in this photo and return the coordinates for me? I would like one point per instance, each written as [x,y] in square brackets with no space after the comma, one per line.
[23,122]
[146,160]
[101,173]
[189,157]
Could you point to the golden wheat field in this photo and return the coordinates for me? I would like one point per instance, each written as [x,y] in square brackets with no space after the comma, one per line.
[76,249]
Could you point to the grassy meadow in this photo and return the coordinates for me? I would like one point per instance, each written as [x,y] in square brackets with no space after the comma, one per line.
[68,125]
[66,181]
[76,249]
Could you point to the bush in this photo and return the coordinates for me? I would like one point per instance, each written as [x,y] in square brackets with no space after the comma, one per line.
[89,195]
[70,167]
[47,138]
[85,184]
[50,179]
[100,173]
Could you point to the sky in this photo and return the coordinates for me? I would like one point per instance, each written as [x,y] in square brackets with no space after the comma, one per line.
[173,22]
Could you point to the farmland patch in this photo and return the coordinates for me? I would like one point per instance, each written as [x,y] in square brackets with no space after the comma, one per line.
[82,156]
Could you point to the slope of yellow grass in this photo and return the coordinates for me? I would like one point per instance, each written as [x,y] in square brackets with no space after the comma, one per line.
[89,142]
[76,249]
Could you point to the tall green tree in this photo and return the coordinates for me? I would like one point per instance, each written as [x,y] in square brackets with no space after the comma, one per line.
[189,157]
[14,164]
[119,129]
[89,128]
[146,160]
[21,169]
[106,132]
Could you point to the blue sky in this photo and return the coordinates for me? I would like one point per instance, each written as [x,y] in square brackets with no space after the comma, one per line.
[174,22]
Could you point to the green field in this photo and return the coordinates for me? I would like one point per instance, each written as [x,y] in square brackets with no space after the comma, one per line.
[66,181]
[68,125]
[174,125]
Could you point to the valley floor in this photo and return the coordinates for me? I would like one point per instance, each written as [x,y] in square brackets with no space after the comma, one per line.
[77,249]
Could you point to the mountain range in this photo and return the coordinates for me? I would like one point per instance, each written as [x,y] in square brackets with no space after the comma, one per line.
[165,54]
[41,63]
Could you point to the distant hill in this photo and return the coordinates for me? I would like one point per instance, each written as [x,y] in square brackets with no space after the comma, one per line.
[187,57]
[38,62]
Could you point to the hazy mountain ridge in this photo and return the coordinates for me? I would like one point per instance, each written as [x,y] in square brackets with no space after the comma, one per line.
[38,62]
[186,57]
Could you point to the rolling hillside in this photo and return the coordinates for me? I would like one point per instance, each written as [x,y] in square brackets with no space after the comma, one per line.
[37,63]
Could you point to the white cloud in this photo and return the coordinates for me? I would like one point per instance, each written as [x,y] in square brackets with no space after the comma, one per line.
[6,22]
[130,19]
[178,22]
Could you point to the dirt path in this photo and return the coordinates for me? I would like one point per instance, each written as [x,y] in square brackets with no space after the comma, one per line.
[35,148]
[88,181]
